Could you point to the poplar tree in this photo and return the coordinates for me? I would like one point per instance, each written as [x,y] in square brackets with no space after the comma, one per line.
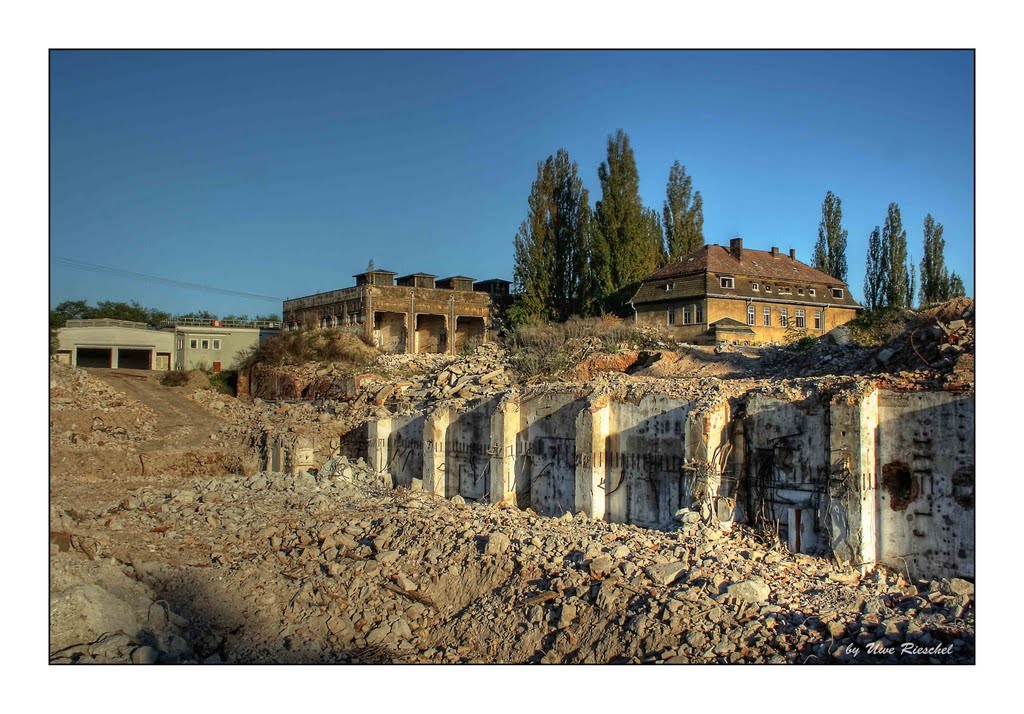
[683,214]
[551,246]
[956,286]
[895,273]
[620,216]
[830,250]
[873,272]
[935,282]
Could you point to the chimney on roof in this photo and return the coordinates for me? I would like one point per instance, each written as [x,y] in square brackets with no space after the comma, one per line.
[775,251]
[736,248]
[792,253]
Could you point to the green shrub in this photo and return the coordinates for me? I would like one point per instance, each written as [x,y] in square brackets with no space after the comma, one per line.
[176,378]
[225,382]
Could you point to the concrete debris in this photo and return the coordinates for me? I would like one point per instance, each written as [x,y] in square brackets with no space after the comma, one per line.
[257,569]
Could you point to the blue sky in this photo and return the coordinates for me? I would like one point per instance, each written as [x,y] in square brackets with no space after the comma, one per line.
[283,173]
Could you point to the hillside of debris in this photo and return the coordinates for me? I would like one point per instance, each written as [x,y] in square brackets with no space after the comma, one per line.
[334,567]
[931,348]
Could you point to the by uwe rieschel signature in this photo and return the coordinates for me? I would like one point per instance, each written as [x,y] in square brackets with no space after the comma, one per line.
[906,648]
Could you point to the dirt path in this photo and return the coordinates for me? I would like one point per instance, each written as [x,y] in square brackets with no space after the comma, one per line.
[180,422]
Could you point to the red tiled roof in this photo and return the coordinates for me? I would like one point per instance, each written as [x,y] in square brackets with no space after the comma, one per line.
[754,263]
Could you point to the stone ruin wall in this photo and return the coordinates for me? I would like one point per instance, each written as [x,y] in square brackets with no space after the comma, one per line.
[876,477]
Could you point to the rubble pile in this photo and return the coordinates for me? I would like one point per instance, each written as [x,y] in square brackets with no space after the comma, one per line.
[332,566]
[101,614]
[933,349]
[484,373]
[88,413]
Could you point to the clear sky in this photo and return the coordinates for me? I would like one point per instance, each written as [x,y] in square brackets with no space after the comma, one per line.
[283,173]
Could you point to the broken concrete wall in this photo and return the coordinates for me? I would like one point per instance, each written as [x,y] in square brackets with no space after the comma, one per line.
[397,447]
[853,421]
[867,476]
[467,449]
[925,482]
[787,449]
[645,450]
[546,452]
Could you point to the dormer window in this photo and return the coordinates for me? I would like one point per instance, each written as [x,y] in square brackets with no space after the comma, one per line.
[669,287]
[837,293]
[799,291]
[767,288]
[810,291]
[753,286]
[728,283]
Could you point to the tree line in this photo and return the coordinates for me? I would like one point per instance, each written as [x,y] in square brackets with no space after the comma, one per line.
[132,311]
[574,260]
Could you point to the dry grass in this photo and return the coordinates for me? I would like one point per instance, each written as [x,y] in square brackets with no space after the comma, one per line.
[327,346]
[548,349]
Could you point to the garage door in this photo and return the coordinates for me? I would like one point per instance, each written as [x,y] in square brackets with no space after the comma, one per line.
[133,359]
[93,357]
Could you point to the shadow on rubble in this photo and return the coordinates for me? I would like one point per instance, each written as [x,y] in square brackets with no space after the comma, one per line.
[219,630]
[852,641]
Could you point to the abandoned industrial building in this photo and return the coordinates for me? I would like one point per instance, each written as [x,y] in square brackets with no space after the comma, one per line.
[737,295]
[415,313]
[180,344]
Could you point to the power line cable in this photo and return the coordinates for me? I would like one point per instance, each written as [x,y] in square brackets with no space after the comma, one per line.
[82,265]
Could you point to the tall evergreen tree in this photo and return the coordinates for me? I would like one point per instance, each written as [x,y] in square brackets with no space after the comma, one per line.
[683,214]
[873,272]
[830,250]
[654,238]
[895,273]
[551,270]
[620,216]
[956,286]
[934,278]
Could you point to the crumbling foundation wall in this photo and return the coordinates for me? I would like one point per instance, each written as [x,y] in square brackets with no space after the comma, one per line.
[546,452]
[787,447]
[644,454]
[925,482]
[863,476]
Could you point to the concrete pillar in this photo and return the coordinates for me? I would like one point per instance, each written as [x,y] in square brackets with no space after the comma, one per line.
[435,471]
[707,436]
[115,358]
[451,326]
[301,456]
[592,427]
[379,434]
[854,497]
[504,427]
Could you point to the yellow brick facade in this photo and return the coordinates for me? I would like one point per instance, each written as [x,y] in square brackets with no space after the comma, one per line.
[713,309]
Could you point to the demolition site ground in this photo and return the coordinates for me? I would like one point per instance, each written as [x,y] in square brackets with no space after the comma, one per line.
[455,509]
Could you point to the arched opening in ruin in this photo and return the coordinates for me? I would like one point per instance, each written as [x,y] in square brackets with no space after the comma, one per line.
[389,331]
[431,334]
[469,332]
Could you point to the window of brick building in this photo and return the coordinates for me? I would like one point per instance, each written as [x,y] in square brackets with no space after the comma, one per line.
[767,317]
[727,283]
[784,317]
[817,319]
[800,318]
[700,315]
[750,314]
[672,316]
